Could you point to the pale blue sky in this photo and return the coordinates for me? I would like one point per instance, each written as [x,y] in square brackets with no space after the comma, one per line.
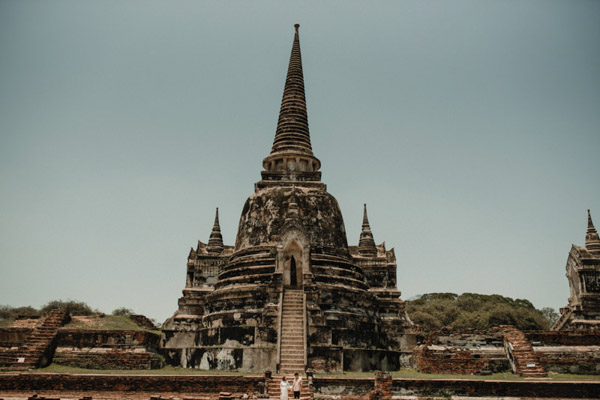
[471,129]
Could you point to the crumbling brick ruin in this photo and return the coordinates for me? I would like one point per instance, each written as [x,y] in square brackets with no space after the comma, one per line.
[583,273]
[291,294]
[506,349]
[47,340]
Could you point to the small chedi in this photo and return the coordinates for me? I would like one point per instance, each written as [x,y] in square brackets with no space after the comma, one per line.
[290,294]
[583,273]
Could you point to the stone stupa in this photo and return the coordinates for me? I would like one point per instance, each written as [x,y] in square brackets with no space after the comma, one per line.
[291,294]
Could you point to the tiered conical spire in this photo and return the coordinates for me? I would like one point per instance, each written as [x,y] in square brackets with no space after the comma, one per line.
[291,157]
[366,244]
[215,242]
[592,241]
[292,127]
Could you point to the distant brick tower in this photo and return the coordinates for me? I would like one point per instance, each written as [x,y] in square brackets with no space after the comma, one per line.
[583,273]
[291,294]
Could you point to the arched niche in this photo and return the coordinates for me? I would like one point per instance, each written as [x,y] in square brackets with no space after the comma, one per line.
[292,265]
[293,259]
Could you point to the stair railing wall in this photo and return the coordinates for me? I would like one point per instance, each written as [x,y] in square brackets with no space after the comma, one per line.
[280,323]
[305,328]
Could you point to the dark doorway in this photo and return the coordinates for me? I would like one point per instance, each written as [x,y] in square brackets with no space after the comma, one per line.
[293,278]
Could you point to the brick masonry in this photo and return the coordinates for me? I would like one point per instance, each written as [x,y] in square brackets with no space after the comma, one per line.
[128,383]
[481,352]
[107,338]
[142,321]
[108,358]
[380,387]
[453,361]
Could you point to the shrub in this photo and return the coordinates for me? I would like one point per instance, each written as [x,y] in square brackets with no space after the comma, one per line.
[123,312]
[8,312]
[71,306]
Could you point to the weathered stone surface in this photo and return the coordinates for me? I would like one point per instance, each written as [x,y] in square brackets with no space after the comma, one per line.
[291,237]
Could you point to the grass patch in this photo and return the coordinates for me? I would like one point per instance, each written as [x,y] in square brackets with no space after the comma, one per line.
[63,369]
[106,322]
[405,373]
[5,323]
[409,373]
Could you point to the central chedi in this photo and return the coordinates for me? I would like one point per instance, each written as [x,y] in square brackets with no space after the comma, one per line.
[291,294]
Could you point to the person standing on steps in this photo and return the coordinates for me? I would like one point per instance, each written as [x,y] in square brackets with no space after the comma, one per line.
[284,388]
[297,385]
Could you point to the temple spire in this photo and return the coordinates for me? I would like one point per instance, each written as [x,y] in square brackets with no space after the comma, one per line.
[291,157]
[366,244]
[215,242]
[292,127]
[592,241]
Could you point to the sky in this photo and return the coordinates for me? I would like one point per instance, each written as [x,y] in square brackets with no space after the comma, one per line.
[470,128]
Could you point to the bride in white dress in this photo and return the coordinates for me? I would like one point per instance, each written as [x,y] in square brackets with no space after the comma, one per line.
[284,388]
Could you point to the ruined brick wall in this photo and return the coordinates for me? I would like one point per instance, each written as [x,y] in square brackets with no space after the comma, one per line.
[325,388]
[142,321]
[465,338]
[355,388]
[130,383]
[14,337]
[107,358]
[569,360]
[106,349]
[573,352]
[564,338]
[446,388]
[80,338]
[461,352]
[358,388]
[448,361]
[7,356]
[473,352]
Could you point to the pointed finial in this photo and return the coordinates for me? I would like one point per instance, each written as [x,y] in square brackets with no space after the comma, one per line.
[592,241]
[365,218]
[291,155]
[366,243]
[215,242]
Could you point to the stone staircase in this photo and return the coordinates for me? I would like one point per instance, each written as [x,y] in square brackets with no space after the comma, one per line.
[520,351]
[275,392]
[292,332]
[42,337]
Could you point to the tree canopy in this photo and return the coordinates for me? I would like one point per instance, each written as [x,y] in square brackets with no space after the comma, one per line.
[434,311]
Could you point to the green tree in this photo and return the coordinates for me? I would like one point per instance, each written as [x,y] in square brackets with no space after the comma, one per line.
[71,306]
[550,314]
[433,311]
[123,312]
